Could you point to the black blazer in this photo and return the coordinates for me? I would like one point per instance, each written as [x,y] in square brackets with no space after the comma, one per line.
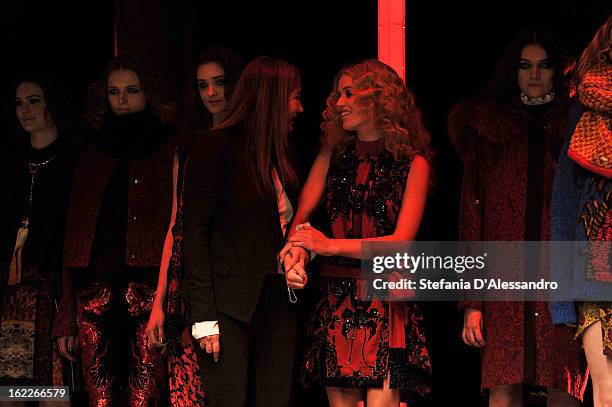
[232,234]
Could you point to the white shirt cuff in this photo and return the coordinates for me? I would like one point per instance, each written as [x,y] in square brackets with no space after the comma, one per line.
[205,328]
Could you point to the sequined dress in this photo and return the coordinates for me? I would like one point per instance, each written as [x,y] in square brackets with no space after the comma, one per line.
[354,342]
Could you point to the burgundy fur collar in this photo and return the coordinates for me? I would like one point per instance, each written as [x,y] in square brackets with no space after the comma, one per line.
[498,123]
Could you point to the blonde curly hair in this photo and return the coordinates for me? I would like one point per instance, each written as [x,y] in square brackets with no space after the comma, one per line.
[381,91]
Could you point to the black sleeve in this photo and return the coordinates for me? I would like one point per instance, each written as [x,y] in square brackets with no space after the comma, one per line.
[204,174]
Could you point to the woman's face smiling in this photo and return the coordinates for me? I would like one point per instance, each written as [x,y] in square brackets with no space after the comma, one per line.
[210,79]
[353,117]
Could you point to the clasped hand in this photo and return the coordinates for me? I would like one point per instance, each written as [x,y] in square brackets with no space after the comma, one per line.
[311,239]
[294,261]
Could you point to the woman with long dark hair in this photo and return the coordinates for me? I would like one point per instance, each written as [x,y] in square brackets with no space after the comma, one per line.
[238,181]
[509,138]
[36,179]
[212,81]
[373,169]
[119,208]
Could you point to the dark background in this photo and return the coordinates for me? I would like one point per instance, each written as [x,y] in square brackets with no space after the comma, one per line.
[452,48]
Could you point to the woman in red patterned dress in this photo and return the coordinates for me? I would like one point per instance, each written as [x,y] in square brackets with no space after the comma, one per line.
[374,170]
[216,71]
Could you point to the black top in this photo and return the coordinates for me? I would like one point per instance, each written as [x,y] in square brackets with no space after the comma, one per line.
[130,137]
[46,213]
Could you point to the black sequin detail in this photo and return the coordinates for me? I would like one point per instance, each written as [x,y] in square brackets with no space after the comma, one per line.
[386,184]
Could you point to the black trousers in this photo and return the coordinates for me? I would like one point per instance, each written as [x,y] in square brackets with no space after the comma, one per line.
[256,367]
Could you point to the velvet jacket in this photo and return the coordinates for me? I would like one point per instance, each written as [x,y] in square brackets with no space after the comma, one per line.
[149,202]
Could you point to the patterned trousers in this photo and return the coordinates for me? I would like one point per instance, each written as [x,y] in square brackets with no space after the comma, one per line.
[120,366]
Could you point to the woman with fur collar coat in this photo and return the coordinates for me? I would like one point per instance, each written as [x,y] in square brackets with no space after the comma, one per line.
[509,139]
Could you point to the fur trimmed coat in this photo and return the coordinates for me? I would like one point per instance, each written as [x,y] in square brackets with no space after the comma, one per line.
[492,139]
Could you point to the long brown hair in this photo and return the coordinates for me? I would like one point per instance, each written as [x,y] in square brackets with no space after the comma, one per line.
[597,52]
[260,102]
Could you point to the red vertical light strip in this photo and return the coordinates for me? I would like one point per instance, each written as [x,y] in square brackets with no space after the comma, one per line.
[115,45]
[115,33]
[392,35]
[392,42]
[392,47]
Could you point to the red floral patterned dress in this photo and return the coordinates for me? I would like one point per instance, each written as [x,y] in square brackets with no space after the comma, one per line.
[353,342]
[186,388]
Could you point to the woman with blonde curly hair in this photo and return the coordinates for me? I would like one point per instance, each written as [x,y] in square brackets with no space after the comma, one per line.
[373,169]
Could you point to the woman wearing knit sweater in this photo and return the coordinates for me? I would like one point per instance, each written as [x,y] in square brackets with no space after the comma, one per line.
[580,211]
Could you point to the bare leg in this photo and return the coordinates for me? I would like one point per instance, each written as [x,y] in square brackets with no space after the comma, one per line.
[600,366]
[559,398]
[510,395]
[343,397]
[384,397]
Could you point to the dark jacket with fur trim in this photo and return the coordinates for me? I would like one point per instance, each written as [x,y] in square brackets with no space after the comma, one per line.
[493,141]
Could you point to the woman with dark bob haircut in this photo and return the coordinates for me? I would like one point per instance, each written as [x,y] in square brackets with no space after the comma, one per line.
[212,81]
[509,139]
[36,179]
[119,208]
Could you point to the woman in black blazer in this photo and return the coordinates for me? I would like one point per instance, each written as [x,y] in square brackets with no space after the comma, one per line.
[236,210]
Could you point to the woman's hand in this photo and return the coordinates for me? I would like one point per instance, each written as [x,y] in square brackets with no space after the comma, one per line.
[472,328]
[67,345]
[296,277]
[210,344]
[155,327]
[311,239]
[290,256]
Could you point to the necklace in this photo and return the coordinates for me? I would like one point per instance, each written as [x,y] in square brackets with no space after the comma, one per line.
[540,100]
[33,168]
